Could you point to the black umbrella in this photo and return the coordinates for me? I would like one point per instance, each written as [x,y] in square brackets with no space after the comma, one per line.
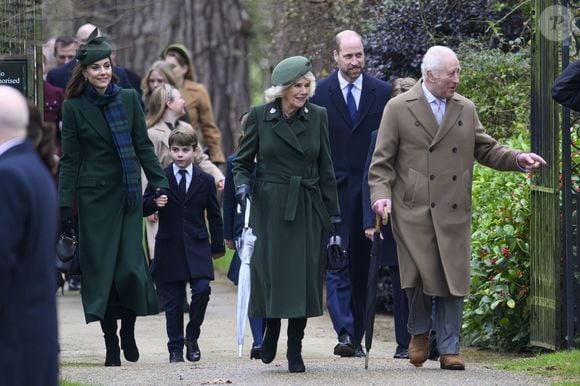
[371,303]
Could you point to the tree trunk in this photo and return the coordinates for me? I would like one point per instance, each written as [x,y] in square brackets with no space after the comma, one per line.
[215,32]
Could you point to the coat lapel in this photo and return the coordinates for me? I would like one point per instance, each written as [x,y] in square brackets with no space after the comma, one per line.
[452,112]
[367,98]
[280,127]
[418,106]
[194,185]
[338,99]
[96,120]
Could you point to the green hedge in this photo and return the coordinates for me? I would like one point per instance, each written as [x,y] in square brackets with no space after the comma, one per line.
[496,313]
[499,85]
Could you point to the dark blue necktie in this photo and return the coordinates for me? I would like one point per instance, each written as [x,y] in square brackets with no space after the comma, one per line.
[350,103]
[183,182]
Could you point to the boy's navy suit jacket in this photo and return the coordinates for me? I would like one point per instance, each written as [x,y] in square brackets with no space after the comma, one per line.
[183,246]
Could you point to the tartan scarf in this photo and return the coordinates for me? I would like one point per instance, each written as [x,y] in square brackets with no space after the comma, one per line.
[112,107]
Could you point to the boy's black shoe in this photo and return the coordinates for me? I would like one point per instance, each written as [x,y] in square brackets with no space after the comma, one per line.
[175,356]
[193,354]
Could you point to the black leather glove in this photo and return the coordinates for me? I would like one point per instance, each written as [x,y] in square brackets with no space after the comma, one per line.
[242,194]
[66,215]
[66,220]
[335,220]
[160,192]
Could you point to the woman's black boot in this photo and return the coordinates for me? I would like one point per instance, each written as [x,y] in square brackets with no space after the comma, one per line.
[109,327]
[128,344]
[270,343]
[296,328]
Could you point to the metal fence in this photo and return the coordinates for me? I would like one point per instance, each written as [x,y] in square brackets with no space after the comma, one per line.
[554,281]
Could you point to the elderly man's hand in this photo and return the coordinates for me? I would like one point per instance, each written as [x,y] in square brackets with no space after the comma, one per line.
[529,162]
[382,207]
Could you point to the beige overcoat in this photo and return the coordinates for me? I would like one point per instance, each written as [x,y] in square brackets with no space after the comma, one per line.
[159,136]
[427,170]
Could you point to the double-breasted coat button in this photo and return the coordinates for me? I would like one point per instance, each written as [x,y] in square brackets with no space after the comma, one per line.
[454,178]
[454,206]
[430,150]
[432,205]
[454,150]
[431,177]
[460,123]
[417,123]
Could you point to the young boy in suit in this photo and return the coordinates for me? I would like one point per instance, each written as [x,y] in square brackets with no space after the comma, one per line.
[183,247]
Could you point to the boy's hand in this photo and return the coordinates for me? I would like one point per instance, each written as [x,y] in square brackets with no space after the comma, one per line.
[152,217]
[230,244]
[161,201]
[220,185]
[217,255]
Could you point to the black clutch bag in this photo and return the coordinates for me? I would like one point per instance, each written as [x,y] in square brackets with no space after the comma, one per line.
[336,259]
[67,256]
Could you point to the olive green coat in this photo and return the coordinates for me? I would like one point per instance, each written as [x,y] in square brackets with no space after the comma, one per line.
[293,195]
[110,233]
[427,170]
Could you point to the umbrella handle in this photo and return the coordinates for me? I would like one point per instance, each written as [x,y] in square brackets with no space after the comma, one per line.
[378,224]
[247,214]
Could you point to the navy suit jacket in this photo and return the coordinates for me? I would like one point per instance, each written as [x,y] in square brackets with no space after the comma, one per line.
[388,248]
[28,232]
[183,247]
[349,142]
[59,76]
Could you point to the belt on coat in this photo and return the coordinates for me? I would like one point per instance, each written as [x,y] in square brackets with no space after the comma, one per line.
[294,184]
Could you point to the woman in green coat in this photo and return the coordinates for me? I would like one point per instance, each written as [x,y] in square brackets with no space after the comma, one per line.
[294,203]
[105,143]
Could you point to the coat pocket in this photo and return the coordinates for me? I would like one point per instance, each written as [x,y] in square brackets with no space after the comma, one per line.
[201,234]
[87,182]
[410,188]
[163,236]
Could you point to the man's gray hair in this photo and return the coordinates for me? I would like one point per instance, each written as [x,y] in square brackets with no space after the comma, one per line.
[276,92]
[432,59]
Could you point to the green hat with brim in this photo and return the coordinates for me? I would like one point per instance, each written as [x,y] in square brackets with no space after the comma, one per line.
[290,69]
[95,48]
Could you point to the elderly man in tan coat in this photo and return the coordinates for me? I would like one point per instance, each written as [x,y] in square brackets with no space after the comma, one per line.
[421,173]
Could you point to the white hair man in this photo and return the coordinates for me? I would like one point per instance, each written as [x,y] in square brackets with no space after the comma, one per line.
[421,173]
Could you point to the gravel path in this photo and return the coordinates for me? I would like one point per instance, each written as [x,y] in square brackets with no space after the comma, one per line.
[83,352]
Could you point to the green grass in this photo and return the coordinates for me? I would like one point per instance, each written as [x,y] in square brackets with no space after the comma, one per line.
[223,263]
[563,366]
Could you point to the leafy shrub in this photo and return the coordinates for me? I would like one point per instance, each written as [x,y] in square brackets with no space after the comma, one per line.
[496,313]
[399,32]
[499,85]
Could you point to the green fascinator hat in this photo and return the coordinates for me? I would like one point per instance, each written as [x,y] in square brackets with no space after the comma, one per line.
[95,48]
[290,69]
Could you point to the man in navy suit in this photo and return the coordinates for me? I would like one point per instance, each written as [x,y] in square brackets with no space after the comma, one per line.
[28,231]
[354,102]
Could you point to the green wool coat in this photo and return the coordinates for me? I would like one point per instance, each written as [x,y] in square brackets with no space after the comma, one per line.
[110,233]
[293,195]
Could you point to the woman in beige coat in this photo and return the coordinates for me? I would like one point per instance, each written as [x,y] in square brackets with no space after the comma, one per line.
[165,107]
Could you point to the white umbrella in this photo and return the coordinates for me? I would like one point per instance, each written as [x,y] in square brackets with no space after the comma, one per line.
[245,246]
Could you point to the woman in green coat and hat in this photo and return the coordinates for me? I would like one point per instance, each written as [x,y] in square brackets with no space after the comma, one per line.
[105,143]
[294,204]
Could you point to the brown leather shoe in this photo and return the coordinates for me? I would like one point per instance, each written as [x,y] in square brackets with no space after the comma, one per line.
[451,362]
[419,349]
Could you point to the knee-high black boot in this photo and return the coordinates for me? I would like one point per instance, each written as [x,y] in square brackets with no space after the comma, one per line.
[128,344]
[270,343]
[109,327]
[296,328]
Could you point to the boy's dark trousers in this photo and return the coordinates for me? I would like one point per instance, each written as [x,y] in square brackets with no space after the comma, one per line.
[174,293]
